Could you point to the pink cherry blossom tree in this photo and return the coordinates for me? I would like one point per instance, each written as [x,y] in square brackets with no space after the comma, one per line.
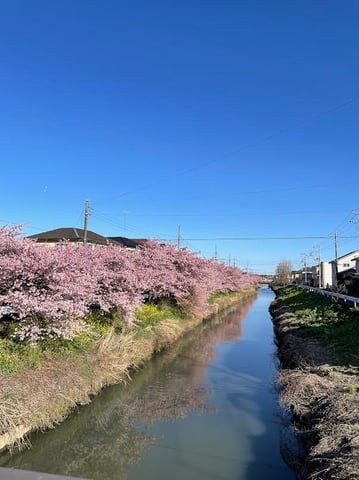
[50,290]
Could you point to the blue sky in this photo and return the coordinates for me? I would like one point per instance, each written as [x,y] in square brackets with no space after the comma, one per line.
[232,119]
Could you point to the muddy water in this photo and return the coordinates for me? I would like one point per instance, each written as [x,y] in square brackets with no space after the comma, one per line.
[206,409]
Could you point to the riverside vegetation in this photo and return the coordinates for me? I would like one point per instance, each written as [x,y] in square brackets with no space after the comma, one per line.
[75,319]
[318,343]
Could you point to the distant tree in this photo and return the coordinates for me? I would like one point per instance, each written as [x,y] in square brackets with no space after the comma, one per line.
[283,272]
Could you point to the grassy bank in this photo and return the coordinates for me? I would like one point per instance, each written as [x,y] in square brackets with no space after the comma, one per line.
[38,391]
[318,343]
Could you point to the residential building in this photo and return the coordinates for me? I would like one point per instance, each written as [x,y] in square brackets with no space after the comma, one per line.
[343,269]
[296,276]
[326,270]
[341,275]
[76,236]
[72,234]
[129,243]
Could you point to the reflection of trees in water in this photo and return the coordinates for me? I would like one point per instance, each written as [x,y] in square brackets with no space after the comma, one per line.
[104,438]
[176,386]
[202,350]
[171,400]
[99,442]
[107,446]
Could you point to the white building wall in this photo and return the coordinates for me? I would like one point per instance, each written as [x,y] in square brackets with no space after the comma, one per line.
[346,262]
[327,274]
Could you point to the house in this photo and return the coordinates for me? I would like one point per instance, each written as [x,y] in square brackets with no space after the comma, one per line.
[340,273]
[355,280]
[296,276]
[76,236]
[307,276]
[344,268]
[72,234]
[129,243]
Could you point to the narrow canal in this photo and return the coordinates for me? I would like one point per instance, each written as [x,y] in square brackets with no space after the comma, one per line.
[205,409]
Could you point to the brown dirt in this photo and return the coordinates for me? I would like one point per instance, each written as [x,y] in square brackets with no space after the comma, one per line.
[322,396]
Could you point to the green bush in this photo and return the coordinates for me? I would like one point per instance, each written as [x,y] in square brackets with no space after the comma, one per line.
[15,357]
[150,314]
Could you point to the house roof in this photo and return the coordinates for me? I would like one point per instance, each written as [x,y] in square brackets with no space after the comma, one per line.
[72,234]
[349,254]
[128,242]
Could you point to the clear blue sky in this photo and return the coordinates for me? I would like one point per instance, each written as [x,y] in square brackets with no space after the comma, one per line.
[230,118]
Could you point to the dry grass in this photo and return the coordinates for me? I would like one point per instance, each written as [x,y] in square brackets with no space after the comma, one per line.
[322,395]
[43,397]
[38,399]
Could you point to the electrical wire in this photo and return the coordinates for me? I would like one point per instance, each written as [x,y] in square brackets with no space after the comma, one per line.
[242,148]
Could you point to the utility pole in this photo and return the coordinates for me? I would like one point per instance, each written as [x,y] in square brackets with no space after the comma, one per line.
[336,260]
[305,267]
[316,257]
[215,252]
[179,237]
[87,209]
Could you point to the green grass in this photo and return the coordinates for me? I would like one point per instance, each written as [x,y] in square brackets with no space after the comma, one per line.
[332,323]
[219,295]
[15,357]
[151,314]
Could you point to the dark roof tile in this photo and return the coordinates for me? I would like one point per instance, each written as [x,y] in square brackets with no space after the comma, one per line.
[73,234]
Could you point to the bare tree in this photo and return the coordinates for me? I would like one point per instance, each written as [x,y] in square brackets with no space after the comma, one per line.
[283,272]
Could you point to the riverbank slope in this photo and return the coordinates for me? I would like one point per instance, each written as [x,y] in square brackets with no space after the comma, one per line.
[318,345]
[37,399]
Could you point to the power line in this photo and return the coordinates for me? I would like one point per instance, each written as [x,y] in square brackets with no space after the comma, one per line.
[249,145]
[342,227]
[230,215]
[118,223]
[257,238]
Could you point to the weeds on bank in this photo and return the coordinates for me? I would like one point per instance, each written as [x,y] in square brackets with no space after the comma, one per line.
[332,323]
[16,356]
[152,314]
[216,296]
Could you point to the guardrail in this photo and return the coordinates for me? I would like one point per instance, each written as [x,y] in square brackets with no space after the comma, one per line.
[13,474]
[338,296]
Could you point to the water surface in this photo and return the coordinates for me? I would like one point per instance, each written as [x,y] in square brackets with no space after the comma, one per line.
[205,409]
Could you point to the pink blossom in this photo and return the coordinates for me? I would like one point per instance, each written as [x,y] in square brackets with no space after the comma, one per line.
[51,289]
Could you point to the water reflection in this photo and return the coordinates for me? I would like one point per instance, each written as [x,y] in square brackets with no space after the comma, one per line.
[101,440]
